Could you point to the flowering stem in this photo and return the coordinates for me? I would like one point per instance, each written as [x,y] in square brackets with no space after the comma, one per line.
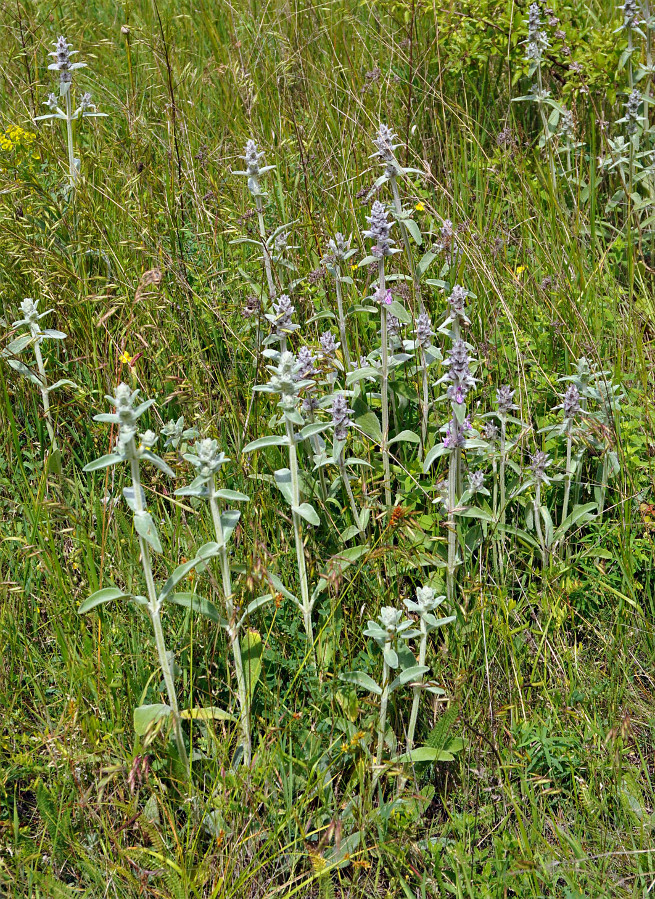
[501,477]
[384,701]
[297,532]
[69,136]
[153,609]
[342,323]
[384,387]
[537,523]
[426,400]
[45,396]
[267,258]
[453,467]
[405,236]
[232,628]
[423,645]
[568,474]
[349,491]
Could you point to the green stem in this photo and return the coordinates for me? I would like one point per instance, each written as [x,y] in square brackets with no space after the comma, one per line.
[43,386]
[153,609]
[297,533]
[349,491]
[69,137]
[406,242]
[537,524]
[384,701]
[232,628]
[267,259]
[342,323]
[384,387]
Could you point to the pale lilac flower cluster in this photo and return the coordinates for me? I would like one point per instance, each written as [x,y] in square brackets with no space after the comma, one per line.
[505,400]
[379,230]
[537,39]
[423,331]
[459,372]
[340,416]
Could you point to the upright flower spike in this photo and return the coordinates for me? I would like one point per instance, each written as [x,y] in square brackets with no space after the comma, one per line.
[378,232]
[127,412]
[282,319]
[62,55]
[424,606]
[341,422]
[254,170]
[31,319]
[537,42]
[339,252]
[539,465]
[285,381]
[208,460]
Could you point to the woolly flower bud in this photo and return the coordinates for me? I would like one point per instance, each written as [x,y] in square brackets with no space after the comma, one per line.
[379,230]
[459,373]
[148,440]
[306,360]
[328,344]
[251,157]
[425,596]
[340,416]
[252,306]
[383,296]
[85,103]
[537,40]
[476,481]
[310,404]
[282,314]
[630,14]
[52,102]
[539,463]
[384,144]
[505,400]
[29,308]
[566,125]
[393,326]
[457,302]
[62,64]
[490,432]
[455,437]
[173,432]
[632,111]
[571,401]
[339,247]
[284,376]
[423,330]
[390,619]
[446,242]
[206,457]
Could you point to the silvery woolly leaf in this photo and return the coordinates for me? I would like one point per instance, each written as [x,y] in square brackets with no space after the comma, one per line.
[232,496]
[145,528]
[283,480]
[54,335]
[308,512]
[103,462]
[107,594]
[61,383]
[128,493]
[229,521]
[415,673]
[361,679]
[391,657]
[157,462]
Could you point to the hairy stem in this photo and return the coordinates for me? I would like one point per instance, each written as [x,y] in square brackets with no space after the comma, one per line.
[232,629]
[45,396]
[384,701]
[297,533]
[153,609]
[384,388]
[342,323]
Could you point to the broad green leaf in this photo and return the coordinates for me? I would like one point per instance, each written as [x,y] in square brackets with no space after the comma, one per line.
[391,657]
[145,528]
[60,383]
[368,423]
[414,230]
[435,453]
[179,574]
[314,428]
[107,594]
[229,521]
[232,496]
[475,512]
[367,371]
[361,679]
[426,754]
[103,462]
[397,309]
[283,480]
[262,442]
[251,657]
[405,437]
[212,713]
[197,604]
[414,673]
[579,513]
[157,462]
[308,512]
[254,605]
[145,716]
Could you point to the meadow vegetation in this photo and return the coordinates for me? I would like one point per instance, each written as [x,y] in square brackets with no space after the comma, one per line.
[326,484]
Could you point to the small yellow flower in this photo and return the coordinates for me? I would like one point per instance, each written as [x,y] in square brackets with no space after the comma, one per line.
[519,271]
[419,207]
[126,359]
[353,266]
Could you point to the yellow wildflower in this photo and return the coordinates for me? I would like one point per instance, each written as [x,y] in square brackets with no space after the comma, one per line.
[419,207]
[519,271]
[126,359]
